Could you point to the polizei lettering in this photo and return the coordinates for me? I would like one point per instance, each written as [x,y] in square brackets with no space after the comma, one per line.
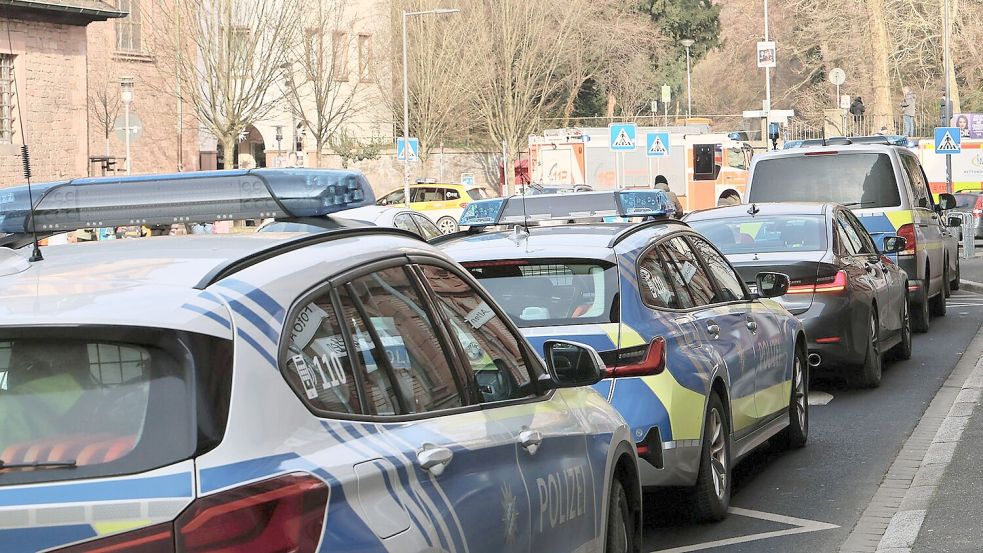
[562,497]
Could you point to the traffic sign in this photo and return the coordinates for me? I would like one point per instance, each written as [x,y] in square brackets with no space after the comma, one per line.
[623,137]
[414,149]
[136,128]
[948,140]
[467,179]
[657,144]
[666,94]
[837,76]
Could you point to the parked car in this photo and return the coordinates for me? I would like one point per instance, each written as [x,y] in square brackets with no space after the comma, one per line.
[851,299]
[886,188]
[352,389]
[392,217]
[655,294]
[443,203]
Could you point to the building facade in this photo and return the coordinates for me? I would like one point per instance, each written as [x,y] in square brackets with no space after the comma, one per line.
[43,85]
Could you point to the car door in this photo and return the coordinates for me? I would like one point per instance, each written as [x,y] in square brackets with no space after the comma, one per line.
[723,327]
[557,470]
[928,226]
[865,269]
[428,467]
[884,276]
[768,356]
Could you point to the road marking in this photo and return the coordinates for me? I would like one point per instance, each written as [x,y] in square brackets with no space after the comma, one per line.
[819,398]
[801,526]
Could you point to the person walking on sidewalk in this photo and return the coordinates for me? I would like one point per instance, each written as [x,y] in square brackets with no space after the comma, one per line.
[908,111]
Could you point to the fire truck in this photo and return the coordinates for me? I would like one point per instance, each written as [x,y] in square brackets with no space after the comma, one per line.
[703,169]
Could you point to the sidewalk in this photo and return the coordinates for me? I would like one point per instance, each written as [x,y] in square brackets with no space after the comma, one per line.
[971,270]
[930,498]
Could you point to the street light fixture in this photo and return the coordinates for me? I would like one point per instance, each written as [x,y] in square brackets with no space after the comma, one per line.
[687,43]
[126,95]
[406,99]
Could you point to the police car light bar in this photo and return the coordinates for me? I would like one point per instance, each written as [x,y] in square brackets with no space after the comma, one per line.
[578,205]
[182,198]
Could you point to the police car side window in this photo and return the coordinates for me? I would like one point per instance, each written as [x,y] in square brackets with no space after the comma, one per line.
[657,286]
[698,282]
[318,366]
[727,280]
[490,349]
[401,326]
[919,187]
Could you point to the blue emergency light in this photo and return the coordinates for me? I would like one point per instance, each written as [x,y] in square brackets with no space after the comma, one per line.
[606,206]
[197,197]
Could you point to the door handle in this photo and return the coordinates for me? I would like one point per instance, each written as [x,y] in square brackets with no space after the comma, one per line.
[434,459]
[752,326]
[530,440]
[713,329]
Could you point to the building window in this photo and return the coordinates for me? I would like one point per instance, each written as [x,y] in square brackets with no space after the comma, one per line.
[339,53]
[7,92]
[129,28]
[364,57]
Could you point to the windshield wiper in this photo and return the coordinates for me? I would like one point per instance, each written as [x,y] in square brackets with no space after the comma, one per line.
[69,464]
[854,204]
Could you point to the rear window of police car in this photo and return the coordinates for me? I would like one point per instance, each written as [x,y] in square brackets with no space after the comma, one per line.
[856,180]
[99,402]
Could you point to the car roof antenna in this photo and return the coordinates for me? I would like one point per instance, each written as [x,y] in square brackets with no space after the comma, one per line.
[25,156]
[753,210]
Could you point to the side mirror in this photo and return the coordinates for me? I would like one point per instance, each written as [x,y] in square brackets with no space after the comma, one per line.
[771,285]
[946,201]
[571,364]
[954,221]
[894,244]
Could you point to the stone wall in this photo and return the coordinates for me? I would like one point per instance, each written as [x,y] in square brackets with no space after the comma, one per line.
[50,68]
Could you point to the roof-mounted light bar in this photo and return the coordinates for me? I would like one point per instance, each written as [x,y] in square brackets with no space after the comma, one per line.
[516,210]
[183,198]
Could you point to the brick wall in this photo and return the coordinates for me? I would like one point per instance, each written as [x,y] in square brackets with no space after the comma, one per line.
[155,148]
[51,79]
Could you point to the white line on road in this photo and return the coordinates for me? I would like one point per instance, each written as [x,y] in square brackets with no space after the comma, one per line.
[819,398]
[800,526]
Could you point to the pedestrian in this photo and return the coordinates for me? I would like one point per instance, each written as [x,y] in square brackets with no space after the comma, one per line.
[662,183]
[857,110]
[908,111]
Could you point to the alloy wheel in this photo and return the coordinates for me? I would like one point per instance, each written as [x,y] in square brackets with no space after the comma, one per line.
[800,394]
[718,453]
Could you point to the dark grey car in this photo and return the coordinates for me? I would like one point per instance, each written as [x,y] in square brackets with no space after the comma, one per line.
[850,297]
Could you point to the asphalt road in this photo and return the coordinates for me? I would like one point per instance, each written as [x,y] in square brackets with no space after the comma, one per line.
[853,440]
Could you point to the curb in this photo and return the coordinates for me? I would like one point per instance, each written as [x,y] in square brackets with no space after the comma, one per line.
[971,286]
[893,518]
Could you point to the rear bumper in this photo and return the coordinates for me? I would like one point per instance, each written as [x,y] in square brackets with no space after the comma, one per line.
[831,331]
[681,464]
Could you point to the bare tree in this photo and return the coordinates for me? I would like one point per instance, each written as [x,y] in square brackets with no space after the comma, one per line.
[321,89]
[236,51]
[104,98]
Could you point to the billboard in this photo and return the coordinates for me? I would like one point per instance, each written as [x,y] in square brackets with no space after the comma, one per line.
[970,125]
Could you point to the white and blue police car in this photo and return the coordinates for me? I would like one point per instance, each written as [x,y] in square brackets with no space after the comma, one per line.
[353,390]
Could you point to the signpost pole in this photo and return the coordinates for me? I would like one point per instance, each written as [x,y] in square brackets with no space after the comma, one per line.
[948,99]
[767,69]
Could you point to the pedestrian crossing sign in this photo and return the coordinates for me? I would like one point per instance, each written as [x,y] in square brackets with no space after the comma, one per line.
[623,137]
[948,140]
[414,149]
[657,144]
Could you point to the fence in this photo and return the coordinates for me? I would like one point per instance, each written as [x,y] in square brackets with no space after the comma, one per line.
[804,127]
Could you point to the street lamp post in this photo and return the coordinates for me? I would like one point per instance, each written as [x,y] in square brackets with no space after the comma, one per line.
[406,99]
[688,42]
[126,95]
[279,148]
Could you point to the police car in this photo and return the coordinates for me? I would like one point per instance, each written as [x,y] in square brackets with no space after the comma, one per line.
[653,295]
[353,390]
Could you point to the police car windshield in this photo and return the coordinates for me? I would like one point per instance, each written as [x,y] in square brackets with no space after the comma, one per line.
[102,404]
[552,292]
[862,179]
[765,234]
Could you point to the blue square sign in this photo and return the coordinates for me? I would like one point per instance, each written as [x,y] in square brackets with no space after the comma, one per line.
[623,137]
[657,144]
[948,140]
[414,149]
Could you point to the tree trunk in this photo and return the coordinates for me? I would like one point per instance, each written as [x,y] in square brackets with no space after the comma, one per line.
[953,85]
[612,102]
[229,146]
[571,100]
[880,110]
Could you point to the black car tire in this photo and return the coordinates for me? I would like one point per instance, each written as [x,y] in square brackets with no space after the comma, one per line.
[709,504]
[954,284]
[796,433]
[902,351]
[621,533]
[946,283]
[919,312]
[869,375]
[936,305]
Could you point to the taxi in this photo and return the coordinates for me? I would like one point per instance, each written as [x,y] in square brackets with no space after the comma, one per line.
[352,390]
[444,203]
[654,294]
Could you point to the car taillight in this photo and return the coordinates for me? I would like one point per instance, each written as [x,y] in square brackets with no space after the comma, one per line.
[823,285]
[907,231]
[640,361]
[285,513]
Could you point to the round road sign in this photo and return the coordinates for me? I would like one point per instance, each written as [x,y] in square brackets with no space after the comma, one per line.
[837,76]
